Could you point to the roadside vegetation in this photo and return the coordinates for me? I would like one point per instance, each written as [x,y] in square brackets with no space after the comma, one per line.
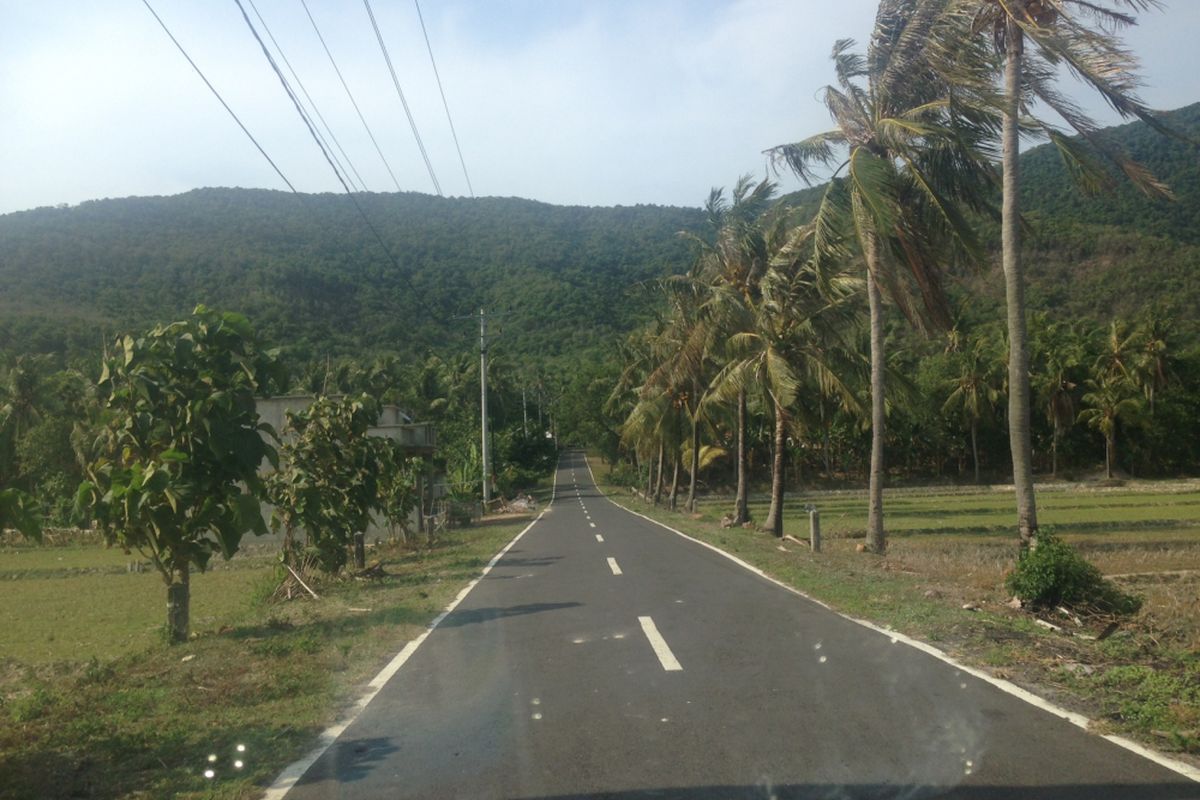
[94,704]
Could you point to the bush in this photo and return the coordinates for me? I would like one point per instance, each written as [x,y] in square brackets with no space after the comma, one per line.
[1055,574]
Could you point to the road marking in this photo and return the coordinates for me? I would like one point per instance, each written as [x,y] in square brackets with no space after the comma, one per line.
[599,538]
[292,774]
[1079,720]
[612,564]
[592,524]
[659,644]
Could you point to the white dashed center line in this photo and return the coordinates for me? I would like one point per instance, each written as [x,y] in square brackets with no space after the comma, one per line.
[592,524]
[599,538]
[612,564]
[665,656]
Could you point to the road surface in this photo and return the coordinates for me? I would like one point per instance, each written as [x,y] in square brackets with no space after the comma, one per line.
[607,657]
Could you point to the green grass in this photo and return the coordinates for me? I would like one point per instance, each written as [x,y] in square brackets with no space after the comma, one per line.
[103,708]
[953,547]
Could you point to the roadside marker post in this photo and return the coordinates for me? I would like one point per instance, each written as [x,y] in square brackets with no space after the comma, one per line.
[814,528]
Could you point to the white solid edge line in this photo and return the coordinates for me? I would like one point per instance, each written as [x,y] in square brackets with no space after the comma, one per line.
[295,771]
[612,564]
[659,645]
[1079,720]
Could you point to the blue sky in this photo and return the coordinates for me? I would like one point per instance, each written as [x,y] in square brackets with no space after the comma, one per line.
[593,103]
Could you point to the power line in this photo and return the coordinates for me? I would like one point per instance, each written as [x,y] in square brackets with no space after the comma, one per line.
[350,95]
[412,123]
[417,295]
[312,103]
[442,91]
[217,94]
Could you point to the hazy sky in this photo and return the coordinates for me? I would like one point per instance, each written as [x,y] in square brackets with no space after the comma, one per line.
[594,103]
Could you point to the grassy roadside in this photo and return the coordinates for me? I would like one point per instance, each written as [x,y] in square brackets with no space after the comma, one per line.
[266,677]
[1143,681]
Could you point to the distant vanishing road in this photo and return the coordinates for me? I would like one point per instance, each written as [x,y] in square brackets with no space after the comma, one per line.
[607,657]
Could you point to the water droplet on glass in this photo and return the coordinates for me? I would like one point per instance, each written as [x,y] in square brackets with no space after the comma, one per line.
[241,748]
[664,719]
[822,659]
[817,646]
[894,640]
[537,715]
[208,773]
[962,686]
[212,758]
[537,701]
[238,764]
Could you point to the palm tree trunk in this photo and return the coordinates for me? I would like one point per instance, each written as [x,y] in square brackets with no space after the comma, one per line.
[876,537]
[741,510]
[690,505]
[658,484]
[675,482]
[1054,450]
[774,521]
[1110,451]
[1020,441]
[975,448]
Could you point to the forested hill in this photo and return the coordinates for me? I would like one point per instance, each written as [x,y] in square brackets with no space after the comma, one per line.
[312,276]
[1116,252]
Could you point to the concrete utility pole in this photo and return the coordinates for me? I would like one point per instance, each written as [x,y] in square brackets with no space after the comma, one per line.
[487,463]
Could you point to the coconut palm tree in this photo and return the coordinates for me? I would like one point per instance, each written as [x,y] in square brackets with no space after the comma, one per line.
[734,259]
[1109,400]
[974,391]
[791,333]
[1061,349]
[1059,36]
[915,155]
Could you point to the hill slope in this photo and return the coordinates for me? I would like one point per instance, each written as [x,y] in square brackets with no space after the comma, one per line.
[311,275]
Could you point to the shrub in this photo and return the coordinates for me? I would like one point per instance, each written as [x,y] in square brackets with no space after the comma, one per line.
[1055,574]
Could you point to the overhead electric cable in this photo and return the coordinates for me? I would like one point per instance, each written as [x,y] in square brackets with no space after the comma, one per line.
[217,94]
[442,91]
[417,295]
[412,123]
[312,103]
[350,95]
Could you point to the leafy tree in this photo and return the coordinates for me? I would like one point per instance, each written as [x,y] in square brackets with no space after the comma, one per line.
[175,472]
[18,510]
[328,479]
[399,484]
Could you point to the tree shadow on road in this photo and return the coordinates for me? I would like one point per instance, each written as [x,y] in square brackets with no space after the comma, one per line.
[477,615]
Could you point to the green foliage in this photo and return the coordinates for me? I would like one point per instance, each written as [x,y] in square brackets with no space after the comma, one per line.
[398,482]
[328,479]
[175,469]
[1055,574]
[17,511]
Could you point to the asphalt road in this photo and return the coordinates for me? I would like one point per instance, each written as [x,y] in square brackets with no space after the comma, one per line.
[606,657]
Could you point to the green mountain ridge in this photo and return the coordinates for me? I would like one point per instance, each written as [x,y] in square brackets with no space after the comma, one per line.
[312,276]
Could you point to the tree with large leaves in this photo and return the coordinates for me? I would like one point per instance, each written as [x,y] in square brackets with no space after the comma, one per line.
[909,155]
[328,480]
[175,473]
[1060,36]
[974,391]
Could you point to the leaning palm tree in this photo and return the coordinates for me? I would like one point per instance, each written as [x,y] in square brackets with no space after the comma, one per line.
[1059,37]
[791,333]
[915,156]
[734,258]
